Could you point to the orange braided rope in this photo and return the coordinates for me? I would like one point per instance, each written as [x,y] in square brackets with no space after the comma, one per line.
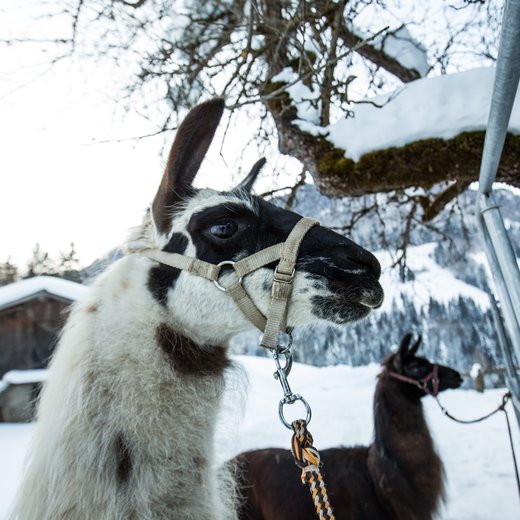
[307,457]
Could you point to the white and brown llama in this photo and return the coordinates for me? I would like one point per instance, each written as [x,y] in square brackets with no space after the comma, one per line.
[126,421]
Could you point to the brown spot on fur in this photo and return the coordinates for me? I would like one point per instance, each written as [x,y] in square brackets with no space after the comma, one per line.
[200,462]
[187,357]
[91,308]
[124,460]
[125,283]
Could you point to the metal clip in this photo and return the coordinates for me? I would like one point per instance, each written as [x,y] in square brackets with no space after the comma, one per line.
[281,375]
[283,371]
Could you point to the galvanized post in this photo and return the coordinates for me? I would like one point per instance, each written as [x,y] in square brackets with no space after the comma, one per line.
[499,250]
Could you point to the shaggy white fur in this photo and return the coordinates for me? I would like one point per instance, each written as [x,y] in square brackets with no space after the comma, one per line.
[112,394]
[126,421]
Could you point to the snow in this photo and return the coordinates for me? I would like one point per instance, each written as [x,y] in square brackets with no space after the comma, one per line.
[305,100]
[20,377]
[16,292]
[481,483]
[14,441]
[403,48]
[430,280]
[440,107]
[476,370]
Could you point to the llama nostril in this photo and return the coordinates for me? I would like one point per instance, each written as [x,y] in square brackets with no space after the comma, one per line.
[373,265]
[360,258]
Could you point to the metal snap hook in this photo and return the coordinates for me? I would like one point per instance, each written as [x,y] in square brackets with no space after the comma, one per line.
[286,368]
[216,282]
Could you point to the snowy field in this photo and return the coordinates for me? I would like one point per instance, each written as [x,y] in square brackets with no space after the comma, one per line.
[481,483]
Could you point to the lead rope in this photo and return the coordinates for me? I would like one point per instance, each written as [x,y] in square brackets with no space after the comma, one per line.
[501,407]
[306,456]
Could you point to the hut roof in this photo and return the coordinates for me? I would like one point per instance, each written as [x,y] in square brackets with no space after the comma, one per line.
[24,290]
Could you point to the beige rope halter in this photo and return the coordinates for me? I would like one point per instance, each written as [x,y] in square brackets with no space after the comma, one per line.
[287,254]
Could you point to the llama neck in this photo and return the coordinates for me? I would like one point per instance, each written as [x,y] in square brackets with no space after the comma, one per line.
[402,457]
[126,422]
[399,421]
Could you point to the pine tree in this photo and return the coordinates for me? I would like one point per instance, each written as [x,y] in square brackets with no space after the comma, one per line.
[69,265]
[40,264]
[8,272]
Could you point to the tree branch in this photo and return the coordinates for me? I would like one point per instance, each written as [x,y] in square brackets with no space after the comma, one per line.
[378,57]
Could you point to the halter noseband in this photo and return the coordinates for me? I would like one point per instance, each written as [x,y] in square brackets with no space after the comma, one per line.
[433,376]
[286,252]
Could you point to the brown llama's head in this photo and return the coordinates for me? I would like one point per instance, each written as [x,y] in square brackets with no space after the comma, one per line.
[416,375]
[335,279]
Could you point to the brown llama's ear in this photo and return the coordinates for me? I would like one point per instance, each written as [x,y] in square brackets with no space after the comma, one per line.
[415,347]
[404,346]
[402,352]
[247,183]
[188,150]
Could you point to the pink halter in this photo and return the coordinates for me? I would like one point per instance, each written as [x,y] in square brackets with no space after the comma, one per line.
[433,376]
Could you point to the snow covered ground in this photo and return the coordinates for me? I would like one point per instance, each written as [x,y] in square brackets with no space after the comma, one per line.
[481,483]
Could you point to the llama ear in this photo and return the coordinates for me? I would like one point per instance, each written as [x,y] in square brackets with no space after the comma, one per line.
[415,347]
[247,183]
[404,346]
[188,150]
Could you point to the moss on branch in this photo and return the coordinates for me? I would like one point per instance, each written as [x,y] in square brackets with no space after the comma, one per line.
[423,163]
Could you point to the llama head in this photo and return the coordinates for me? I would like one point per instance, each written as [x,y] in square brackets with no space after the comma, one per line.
[336,280]
[412,368]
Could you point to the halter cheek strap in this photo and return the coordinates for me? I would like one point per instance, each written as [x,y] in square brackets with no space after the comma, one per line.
[287,254]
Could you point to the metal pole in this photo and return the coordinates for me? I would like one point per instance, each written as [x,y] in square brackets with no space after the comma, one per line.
[506,85]
[499,251]
[512,377]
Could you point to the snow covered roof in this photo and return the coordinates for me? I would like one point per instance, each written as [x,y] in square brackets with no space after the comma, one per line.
[21,377]
[24,290]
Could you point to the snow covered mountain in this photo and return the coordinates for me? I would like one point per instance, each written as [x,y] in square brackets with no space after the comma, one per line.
[441,292]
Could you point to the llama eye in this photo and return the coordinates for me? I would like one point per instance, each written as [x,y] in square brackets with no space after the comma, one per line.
[415,370]
[223,229]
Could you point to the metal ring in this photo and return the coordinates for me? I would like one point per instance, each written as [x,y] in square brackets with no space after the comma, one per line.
[221,287]
[291,399]
[287,336]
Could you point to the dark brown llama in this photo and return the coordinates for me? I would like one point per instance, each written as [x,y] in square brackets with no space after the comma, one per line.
[398,477]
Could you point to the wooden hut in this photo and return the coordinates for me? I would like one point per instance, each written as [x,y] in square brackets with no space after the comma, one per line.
[32,313]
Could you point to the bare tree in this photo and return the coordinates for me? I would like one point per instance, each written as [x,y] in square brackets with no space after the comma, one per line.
[178,52]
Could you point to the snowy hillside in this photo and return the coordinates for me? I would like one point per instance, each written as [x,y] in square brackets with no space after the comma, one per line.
[477,459]
[442,293]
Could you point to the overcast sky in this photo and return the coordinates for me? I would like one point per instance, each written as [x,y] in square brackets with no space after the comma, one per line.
[60,180]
